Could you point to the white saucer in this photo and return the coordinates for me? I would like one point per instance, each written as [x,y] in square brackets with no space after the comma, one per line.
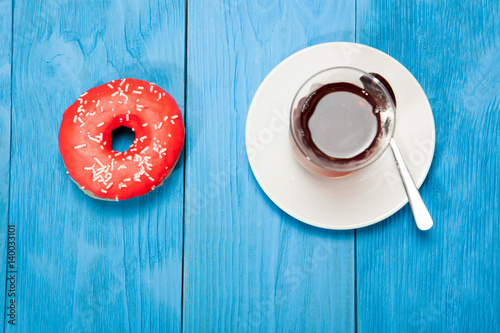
[361,198]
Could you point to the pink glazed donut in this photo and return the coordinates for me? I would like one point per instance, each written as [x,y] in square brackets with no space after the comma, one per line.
[85,139]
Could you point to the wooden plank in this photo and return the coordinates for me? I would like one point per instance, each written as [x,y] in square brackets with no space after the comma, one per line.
[445,279]
[84,264]
[248,266]
[5,113]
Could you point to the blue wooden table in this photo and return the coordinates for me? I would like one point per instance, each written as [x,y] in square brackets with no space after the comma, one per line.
[208,251]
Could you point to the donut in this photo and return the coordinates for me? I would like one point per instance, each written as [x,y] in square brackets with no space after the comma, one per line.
[85,139]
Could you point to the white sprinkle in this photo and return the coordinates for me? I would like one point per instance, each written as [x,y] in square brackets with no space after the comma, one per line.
[92,113]
[145,124]
[173,122]
[99,125]
[74,119]
[110,102]
[175,117]
[102,147]
[140,88]
[136,92]
[110,86]
[97,104]
[142,138]
[159,96]
[104,191]
[83,187]
[156,127]
[95,159]
[159,125]
[115,93]
[102,109]
[126,180]
[122,167]
[166,117]
[118,153]
[127,117]
[153,187]
[151,88]
[85,93]
[126,88]
[116,198]
[151,178]
[144,150]
[169,135]
[83,124]
[93,139]
[109,185]
[122,82]
[163,94]
[129,158]
[80,146]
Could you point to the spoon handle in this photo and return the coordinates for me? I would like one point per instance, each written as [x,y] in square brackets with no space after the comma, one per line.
[420,212]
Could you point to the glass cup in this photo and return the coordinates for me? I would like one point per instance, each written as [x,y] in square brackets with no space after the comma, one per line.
[342,120]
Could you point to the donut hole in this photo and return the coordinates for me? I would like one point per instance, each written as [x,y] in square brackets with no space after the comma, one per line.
[122,138]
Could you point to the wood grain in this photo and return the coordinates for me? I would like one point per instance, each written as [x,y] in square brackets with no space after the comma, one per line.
[248,265]
[88,265]
[445,279]
[5,112]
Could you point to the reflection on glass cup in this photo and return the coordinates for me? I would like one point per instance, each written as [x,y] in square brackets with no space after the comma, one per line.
[342,120]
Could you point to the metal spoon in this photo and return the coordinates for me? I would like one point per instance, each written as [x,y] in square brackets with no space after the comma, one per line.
[421,214]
